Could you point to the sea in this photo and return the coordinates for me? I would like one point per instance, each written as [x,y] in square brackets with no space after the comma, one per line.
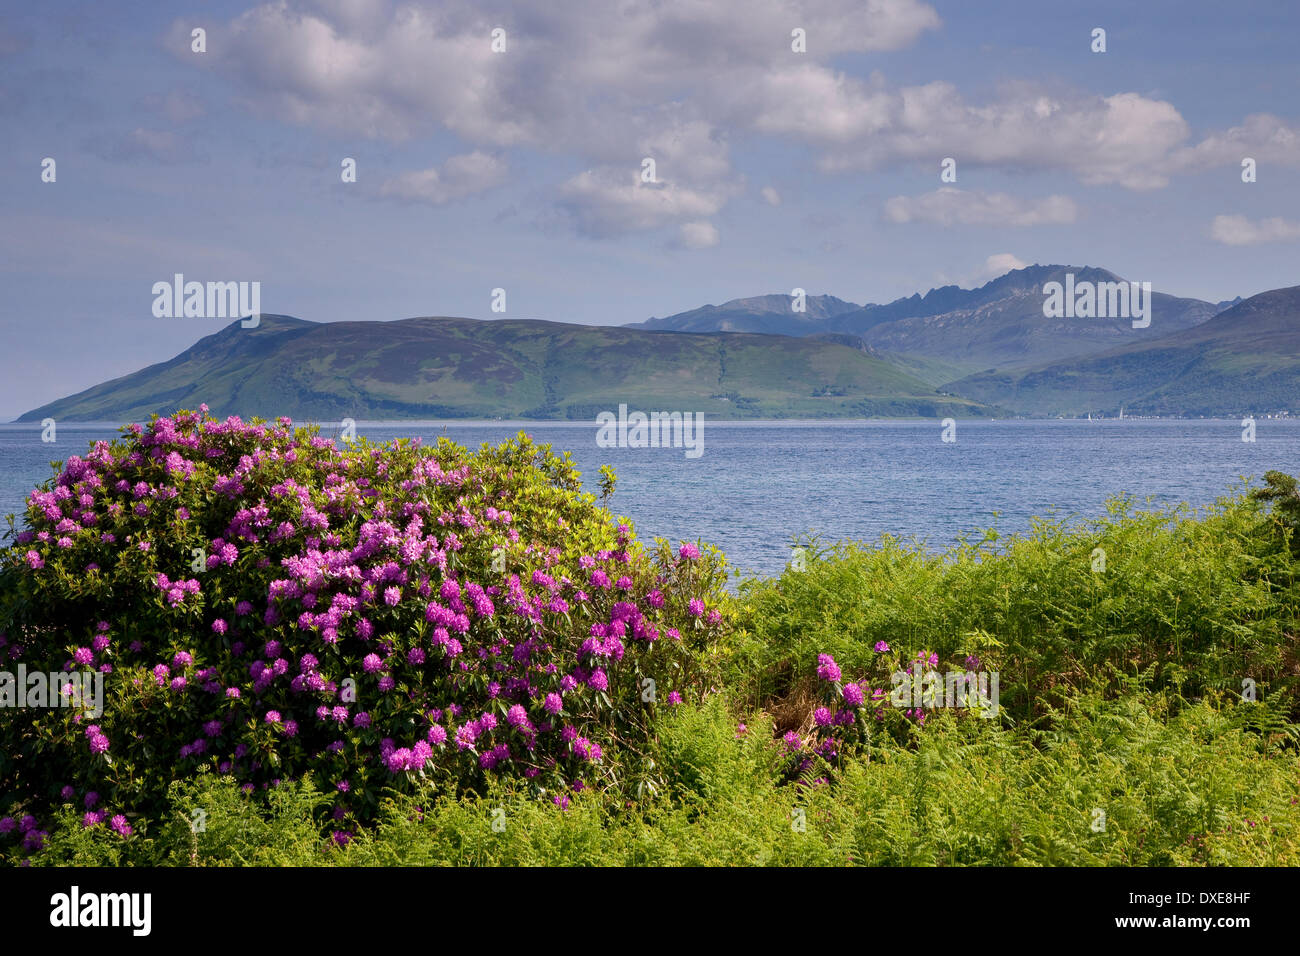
[756,486]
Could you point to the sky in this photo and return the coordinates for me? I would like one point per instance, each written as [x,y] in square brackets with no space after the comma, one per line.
[794,145]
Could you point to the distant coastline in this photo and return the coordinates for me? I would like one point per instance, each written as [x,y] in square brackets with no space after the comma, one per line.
[729,422]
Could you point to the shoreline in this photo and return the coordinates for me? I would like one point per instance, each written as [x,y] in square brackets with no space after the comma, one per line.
[729,422]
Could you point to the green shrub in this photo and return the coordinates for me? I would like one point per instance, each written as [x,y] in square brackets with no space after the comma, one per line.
[1193,600]
[265,605]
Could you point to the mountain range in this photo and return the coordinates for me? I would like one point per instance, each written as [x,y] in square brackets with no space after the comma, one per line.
[951,332]
[1244,360]
[433,368]
[957,352]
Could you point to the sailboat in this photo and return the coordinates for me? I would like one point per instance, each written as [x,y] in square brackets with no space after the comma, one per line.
[1121,411]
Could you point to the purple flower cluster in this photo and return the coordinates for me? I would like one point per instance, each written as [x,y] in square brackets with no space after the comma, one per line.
[827,669]
[98,740]
[416,589]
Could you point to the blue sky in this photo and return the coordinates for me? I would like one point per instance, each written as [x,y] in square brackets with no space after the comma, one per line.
[521,169]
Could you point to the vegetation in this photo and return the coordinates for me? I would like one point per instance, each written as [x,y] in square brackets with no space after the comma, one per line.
[1147,714]
[1243,361]
[952,353]
[1194,788]
[267,605]
[461,368]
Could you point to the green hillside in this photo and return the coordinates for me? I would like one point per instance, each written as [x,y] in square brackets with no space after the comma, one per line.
[464,368]
[1245,360]
[952,332]
[1002,325]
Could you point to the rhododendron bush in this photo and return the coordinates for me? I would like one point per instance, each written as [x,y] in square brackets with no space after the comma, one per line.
[266,603]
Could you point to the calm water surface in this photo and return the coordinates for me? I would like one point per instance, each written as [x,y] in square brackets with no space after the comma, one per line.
[757,484]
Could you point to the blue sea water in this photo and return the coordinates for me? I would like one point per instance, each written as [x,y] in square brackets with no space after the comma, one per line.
[757,484]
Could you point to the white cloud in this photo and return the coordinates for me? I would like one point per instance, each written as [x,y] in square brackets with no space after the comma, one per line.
[608,84]
[1124,139]
[698,235]
[994,266]
[771,196]
[813,103]
[693,178]
[356,13]
[459,177]
[612,202]
[567,67]
[681,148]
[949,206]
[422,67]
[1265,138]
[1000,264]
[1240,231]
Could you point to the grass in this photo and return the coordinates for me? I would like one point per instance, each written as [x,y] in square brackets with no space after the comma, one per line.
[1197,788]
[1124,738]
